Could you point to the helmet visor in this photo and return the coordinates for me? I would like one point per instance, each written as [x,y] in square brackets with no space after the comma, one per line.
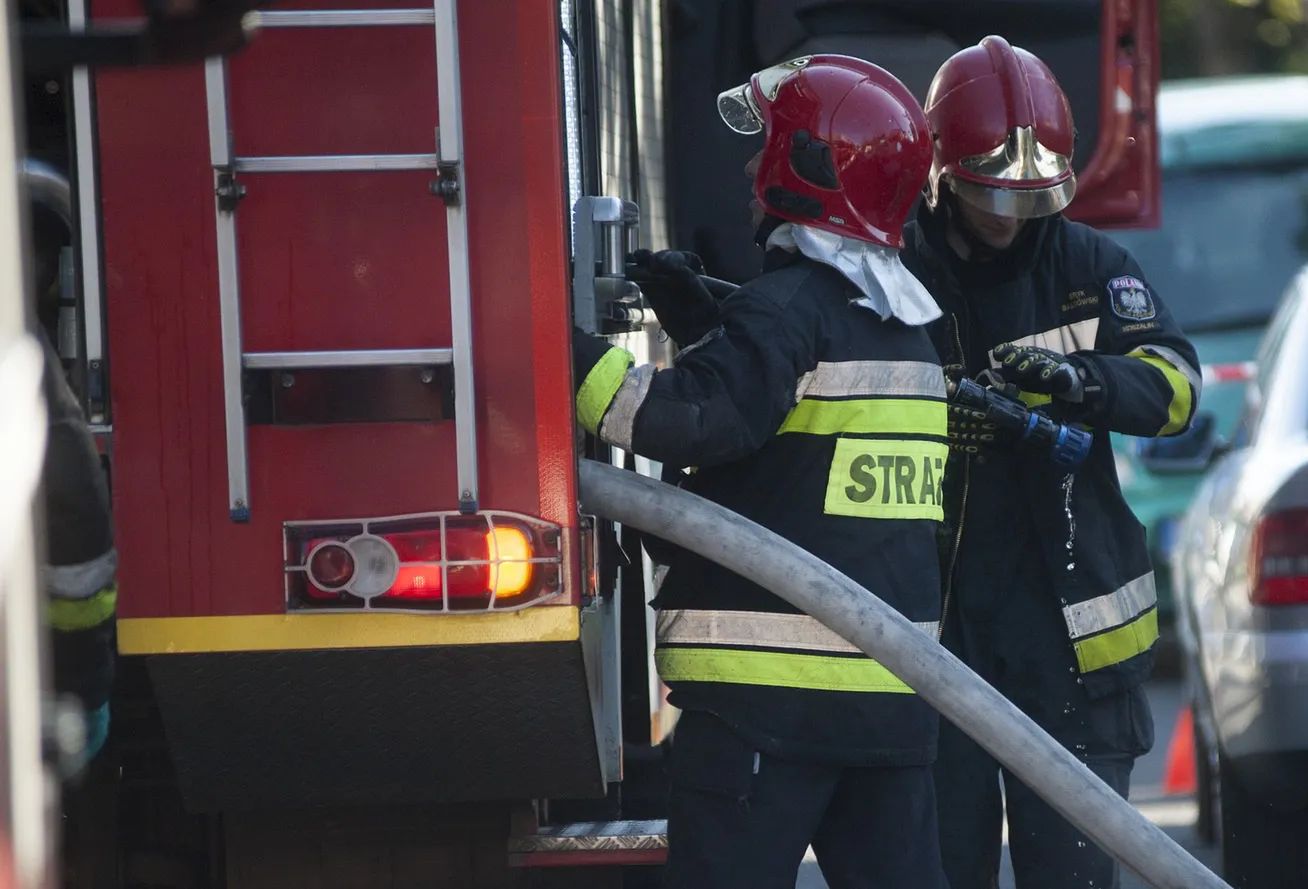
[1016,203]
[738,106]
[737,109]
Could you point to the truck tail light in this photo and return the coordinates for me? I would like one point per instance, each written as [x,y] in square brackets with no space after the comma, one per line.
[331,566]
[432,562]
[1278,569]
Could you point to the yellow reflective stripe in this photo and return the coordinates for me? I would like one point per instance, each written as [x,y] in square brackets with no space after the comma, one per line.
[599,387]
[67,615]
[883,479]
[868,415]
[1034,399]
[776,669]
[1178,412]
[1118,645]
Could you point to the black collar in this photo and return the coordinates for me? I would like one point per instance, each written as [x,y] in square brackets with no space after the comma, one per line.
[1005,265]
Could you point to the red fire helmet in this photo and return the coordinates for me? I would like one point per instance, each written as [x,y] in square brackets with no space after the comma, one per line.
[1003,132]
[847,148]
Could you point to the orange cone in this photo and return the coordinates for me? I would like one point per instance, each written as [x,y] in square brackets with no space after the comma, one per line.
[1179,776]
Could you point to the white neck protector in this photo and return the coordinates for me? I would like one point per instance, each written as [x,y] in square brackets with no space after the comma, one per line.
[888,288]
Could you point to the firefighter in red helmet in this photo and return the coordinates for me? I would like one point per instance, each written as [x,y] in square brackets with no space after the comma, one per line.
[810,401]
[1049,593]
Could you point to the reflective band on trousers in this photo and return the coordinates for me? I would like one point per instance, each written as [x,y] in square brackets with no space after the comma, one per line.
[1115,627]
[766,650]
[68,615]
[1184,392]
[602,382]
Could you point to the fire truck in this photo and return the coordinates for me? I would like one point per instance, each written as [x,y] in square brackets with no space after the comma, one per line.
[324,288]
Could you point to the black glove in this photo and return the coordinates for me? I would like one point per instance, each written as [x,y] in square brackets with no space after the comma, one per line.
[1044,371]
[587,350]
[970,431]
[686,305]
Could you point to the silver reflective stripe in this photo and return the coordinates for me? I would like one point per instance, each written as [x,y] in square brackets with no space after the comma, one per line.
[757,630]
[702,341]
[620,419]
[1112,610]
[1065,339]
[82,580]
[1182,366]
[834,379]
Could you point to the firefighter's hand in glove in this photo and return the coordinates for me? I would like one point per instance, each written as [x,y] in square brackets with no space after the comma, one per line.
[1043,371]
[670,279]
[970,431]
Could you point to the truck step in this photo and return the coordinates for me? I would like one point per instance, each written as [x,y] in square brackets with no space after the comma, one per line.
[590,843]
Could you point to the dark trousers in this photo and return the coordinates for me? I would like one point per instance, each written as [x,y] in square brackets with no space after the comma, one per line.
[1047,851]
[1018,643]
[739,818]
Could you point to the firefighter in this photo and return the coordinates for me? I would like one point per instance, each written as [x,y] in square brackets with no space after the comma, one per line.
[81,561]
[1049,594]
[815,406]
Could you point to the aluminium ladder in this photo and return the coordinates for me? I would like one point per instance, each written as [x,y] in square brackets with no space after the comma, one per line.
[450,186]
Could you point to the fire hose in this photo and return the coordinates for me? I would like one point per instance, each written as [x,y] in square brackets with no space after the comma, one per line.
[961,696]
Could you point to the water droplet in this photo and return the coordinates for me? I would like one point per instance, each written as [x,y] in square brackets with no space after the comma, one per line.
[1071,519]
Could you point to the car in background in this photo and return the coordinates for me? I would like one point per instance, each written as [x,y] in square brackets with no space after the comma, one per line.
[1240,567]
[1234,158]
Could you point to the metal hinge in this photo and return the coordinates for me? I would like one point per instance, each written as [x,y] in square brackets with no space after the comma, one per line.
[229,192]
[446,185]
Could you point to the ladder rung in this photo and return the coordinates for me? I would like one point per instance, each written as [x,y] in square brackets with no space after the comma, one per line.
[355,358]
[334,163]
[342,18]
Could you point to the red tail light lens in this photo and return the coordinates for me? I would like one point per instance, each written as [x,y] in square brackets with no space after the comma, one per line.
[1278,570]
[442,562]
[331,566]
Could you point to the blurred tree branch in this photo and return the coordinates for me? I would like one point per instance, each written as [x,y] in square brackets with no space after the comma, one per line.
[1221,37]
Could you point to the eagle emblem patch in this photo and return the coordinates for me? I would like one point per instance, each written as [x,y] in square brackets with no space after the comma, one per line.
[1131,299]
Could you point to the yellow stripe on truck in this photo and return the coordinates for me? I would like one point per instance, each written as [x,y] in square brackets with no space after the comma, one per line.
[301,632]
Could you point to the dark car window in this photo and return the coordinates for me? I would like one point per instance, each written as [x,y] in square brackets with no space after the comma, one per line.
[1231,241]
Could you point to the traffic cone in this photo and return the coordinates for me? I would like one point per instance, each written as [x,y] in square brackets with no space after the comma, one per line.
[1180,776]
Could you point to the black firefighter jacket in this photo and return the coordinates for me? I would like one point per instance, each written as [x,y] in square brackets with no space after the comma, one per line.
[818,420]
[79,575]
[1068,288]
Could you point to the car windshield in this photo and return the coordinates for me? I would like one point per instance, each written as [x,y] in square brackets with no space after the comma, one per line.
[1231,239]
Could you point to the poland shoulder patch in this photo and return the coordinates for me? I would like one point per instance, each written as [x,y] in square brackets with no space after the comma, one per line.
[1131,299]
